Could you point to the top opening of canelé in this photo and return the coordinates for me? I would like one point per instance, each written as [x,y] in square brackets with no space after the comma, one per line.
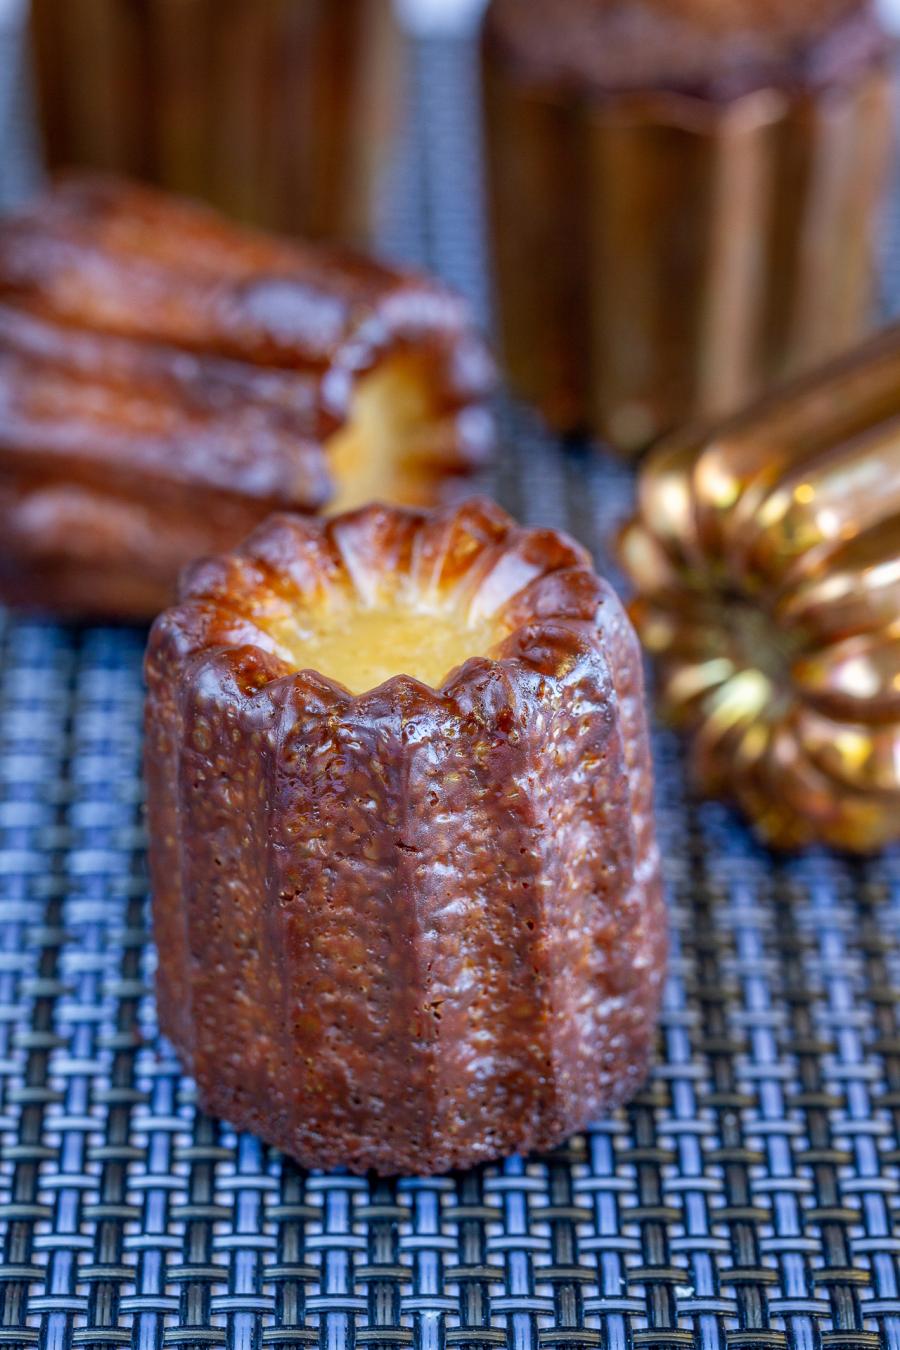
[360,646]
[385,592]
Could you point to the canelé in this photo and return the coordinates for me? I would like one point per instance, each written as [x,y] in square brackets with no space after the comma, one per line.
[684,196]
[765,560]
[280,112]
[405,881]
[167,380]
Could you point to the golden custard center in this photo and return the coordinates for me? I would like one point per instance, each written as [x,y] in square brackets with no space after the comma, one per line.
[360,647]
[382,454]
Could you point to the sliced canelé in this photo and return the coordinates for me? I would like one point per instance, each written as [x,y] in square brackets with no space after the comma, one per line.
[167,380]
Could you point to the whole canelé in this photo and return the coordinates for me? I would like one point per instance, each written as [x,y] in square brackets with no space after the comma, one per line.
[764,557]
[419,925]
[280,112]
[684,197]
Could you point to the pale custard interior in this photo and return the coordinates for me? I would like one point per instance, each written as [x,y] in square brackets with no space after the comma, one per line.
[362,647]
[382,453]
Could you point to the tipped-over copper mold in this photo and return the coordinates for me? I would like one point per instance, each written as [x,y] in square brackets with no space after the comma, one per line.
[684,200]
[167,380]
[405,881]
[280,112]
[766,557]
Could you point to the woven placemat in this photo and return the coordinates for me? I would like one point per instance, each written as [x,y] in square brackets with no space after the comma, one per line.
[748,1198]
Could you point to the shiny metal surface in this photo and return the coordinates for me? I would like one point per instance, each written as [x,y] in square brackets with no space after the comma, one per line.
[766,560]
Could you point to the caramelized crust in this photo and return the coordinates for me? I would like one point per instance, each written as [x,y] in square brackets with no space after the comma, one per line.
[419,926]
[157,357]
[120,258]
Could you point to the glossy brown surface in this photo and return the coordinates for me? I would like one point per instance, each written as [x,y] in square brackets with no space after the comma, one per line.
[765,557]
[420,926]
[664,254]
[167,380]
[280,112]
[712,48]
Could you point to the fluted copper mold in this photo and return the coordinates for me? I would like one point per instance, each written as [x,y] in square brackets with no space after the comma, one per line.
[664,257]
[418,926]
[168,379]
[765,560]
[281,112]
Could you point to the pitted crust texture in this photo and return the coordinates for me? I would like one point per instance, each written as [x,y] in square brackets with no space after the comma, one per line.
[419,926]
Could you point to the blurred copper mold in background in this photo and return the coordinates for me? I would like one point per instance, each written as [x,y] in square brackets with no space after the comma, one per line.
[664,256]
[280,112]
[766,561]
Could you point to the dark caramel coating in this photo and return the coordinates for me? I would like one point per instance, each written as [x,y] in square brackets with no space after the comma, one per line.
[117,412]
[121,461]
[417,928]
[710,48]
[123,259]
[167,380]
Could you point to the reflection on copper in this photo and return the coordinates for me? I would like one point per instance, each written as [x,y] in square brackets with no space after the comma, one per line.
[765,556]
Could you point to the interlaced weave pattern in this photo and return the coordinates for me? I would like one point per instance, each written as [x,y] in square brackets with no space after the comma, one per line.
[748,1199]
